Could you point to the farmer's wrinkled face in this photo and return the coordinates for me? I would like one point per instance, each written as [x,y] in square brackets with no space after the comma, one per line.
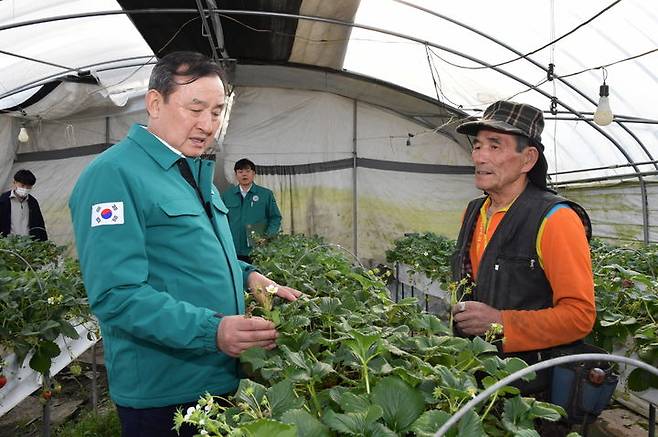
[498,165]
[190,116]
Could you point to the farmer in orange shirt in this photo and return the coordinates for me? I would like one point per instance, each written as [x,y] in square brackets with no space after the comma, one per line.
[525,248]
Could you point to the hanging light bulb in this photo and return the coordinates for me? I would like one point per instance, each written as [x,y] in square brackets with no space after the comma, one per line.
[23,137]
[603,115]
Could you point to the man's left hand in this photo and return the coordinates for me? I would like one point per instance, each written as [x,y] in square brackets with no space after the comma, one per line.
[258,281]
[475,318]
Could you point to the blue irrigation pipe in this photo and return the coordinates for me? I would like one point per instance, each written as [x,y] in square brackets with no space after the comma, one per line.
[539,366]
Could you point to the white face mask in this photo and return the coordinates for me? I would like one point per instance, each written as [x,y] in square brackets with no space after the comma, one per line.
[22,192]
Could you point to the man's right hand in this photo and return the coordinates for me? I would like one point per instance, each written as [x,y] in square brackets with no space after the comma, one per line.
[235,334]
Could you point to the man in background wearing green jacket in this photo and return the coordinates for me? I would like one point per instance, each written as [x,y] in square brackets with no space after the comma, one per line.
[157,256]
[252,210]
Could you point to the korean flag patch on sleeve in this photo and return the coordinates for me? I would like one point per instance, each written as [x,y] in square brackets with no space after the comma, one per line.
[110,213]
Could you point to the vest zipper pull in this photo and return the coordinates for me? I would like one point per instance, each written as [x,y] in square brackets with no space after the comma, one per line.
[496,267]
[532,263]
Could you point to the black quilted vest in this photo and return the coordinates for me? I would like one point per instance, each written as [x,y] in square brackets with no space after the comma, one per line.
[509,275]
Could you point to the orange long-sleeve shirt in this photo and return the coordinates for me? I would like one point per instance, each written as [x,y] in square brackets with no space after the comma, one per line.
[564,255]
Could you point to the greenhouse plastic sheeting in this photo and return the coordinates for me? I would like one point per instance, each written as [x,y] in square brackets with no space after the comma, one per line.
[388,202]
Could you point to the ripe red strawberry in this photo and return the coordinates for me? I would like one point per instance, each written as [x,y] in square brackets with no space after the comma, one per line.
[46,394]
[3,380]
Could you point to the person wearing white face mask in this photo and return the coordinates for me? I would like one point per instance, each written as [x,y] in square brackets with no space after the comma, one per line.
[19,211]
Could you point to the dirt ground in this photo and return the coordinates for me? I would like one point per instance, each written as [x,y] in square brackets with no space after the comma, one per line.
[618,421]
[25,419]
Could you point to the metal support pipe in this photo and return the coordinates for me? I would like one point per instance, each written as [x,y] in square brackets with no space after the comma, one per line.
[533,62]
[355,191]
[107,130]
[590,119]
[397,280]
[361,26]
[45,418]
[610,178]
[645,209]
[605,167]
[42,81]
[94,377]
[206,29]
[535,367]
[652,420]
[403,36]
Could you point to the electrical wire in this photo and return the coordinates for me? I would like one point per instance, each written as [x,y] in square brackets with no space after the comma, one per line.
[554,99]
[630,58]
[439,88]
[324,41]
[433,68]
[311,40]
[40,61]
[151,59]
[429,64]
[550,43]
[148,61]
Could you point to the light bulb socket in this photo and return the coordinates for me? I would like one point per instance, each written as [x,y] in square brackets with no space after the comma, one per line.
[604,90]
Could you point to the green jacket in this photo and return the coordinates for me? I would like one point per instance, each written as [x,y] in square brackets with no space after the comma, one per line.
[257,211]
[158,272]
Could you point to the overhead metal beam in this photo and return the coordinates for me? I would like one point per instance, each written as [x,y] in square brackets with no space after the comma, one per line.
[402,36]
[348,24]
[604,167]
[645,203]
[532,61]
[206,30]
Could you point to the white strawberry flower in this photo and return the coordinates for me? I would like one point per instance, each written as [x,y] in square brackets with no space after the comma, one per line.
[272,288]
[188,413]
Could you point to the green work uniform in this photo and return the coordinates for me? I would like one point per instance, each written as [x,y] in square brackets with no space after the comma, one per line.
[257,211]
[160,270]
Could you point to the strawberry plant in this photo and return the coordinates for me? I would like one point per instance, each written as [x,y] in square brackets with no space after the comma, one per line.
[428,253]
[352,362]
[41,297]
[626,290]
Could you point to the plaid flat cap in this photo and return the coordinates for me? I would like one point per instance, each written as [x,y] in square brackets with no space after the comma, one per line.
[519,119]
[509,117]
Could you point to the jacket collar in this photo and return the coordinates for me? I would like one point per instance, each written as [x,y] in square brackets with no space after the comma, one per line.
[252,189]
[154,147]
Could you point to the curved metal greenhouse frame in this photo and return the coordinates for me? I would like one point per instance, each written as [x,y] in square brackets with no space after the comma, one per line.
[579,116]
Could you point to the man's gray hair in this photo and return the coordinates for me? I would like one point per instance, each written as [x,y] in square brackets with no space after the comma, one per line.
[190,65]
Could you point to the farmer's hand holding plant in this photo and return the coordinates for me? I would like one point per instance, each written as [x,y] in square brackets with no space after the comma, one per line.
[237,333]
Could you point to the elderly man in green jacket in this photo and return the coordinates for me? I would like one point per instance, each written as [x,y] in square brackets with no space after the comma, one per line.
[157,256]
[252,210]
